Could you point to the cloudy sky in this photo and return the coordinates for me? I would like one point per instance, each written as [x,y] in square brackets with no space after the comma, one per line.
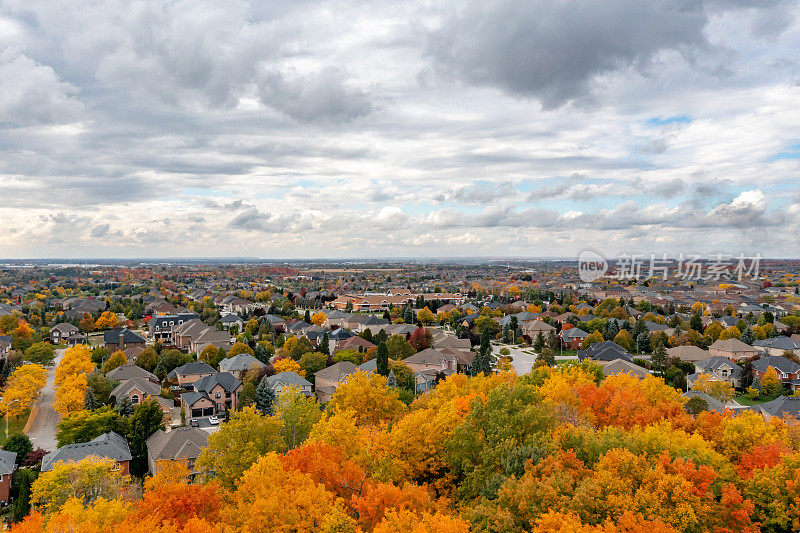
[385,128]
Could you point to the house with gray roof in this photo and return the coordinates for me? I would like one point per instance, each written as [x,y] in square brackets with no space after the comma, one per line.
[239,365]
[277,382]
[622,366]
[787,370]
[182,444]
[712,403]
[782,407]
[718,368]
[8,464]
[129,371]
[119,339]
[191,372]
[108,445]
[327,380]
[605,351]
[777,345]
[222,388]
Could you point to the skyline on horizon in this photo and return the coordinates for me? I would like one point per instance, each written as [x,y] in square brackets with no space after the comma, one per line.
[378,130]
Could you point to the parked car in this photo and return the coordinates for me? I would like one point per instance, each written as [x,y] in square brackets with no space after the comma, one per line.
[213,420]
[194,423]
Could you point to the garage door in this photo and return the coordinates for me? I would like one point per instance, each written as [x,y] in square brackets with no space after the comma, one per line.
[208,411]
[197,412]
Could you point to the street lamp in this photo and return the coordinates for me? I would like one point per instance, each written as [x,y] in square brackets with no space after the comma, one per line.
[7,406]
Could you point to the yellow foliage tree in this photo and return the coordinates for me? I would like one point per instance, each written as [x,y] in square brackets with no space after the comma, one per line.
[425,316]
[369,398]
[283,500]
[89,480]
[70,396]
[116,359]
[287,364]
[319,318]
[107,320]
[731,332]
[22,389]
[76,360]
[721,390]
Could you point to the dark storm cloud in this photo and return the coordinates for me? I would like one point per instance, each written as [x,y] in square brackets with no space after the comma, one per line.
[553,50]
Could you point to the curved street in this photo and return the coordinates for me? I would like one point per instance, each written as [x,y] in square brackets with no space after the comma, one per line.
[44,419]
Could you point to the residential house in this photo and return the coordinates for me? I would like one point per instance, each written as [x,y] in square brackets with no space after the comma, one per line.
[229,320]
[119,339]
[140,389]
[787,370]
[605,351]
[182,444]
[712,403]
[432,359]
[239,365]
[222,388]
[777,345]
[782,407]
[622,366]
[67,333]
[532,328]
[572,338]
[277,382]
[354,343]
[688,353]
[194,336]
[126,372]
[733,349]
[5,346]
[326,381]
[160,327]
[108,445]
[718,368]
[8,464]
[187,374]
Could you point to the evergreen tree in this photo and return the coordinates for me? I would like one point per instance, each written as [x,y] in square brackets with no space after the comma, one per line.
[265,398]
[307,317]
[324,345]
[659,358]
[538,343]
[146,419]
[382,359]
[506,334]
[90,400]
[125,406]
[643,342]
[747,336]
[696,323]
[483,361]
[611,329]
[408,315]
[23,479]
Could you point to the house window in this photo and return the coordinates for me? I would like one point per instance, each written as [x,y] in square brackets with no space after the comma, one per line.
[217,395]
[135,399]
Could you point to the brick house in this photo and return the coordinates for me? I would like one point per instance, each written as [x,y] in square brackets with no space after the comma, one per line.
[181,444]
[572,338]
[733,349]
[120,339]
[8,464]
[788,371]
[187,374]
[326,381]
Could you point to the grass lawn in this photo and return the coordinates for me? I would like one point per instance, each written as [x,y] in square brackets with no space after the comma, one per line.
[14,425]
[743,399]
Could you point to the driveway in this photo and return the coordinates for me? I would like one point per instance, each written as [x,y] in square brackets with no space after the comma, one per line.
[42,424]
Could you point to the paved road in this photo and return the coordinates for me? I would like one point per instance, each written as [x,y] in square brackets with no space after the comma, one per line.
[521,361]
[42,426]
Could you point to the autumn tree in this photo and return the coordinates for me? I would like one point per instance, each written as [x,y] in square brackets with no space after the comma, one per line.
[238,444]
[297,414]
[426,316]
[22,388]
[420,339]
[368,398]
[89,480]
[771,385]
[285,364]
[107,320]
[319,318]
[287,500]
[115,360]
[40,353]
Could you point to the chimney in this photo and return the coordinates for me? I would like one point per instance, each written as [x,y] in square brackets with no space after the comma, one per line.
[122,339]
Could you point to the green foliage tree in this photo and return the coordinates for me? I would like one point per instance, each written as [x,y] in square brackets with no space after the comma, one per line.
[20,444]
[146,419]
[313,362]
[84,426]
[40,353]
[298,415]
[265,398]
[382,359]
